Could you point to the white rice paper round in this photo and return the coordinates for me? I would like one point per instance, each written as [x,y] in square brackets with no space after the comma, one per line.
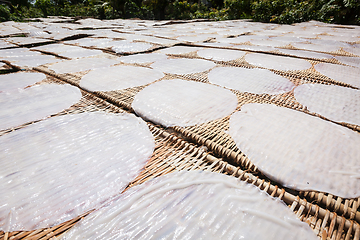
[193,205]
[336,103]
[183,103]
[277,62]
[254,80]
[13,81]
[345,74]
[64,166]
[182,66]
[26,105]
[298,150]
[118,77]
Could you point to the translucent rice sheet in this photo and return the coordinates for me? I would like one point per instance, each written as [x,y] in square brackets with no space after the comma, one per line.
[13,81]
[352,61]
[179,50]
[353,50]
[345,74]
[306,54]
[64,166]
[26,40]
[118,77]
[4,44]
[220,54]
[69,51]
[183,103]
[182,66]
[316,47]
[193,205]
[337,103]
[143,58]
[130,47]
[277,62]
[82,64]
[25,105]
[298,150]
[255,80]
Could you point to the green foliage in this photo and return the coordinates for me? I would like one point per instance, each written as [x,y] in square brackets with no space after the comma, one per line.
[275,11]
[7,15]
[4,13]
[238,9]
[182,10]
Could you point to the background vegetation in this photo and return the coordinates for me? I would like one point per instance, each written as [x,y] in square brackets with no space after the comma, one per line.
[277,11]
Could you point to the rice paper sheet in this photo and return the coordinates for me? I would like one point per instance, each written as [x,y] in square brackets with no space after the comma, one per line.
[345,74]
[143,58]
[193,205]
[220,54]
[35,103]
[13,81]
[130,47]
[306,54]
[298,150]
[183,66]
[336,103]
[183,103]
[118,77]
[277,62]
[254,80]
[179,50]
[82,64]
[352,61]
[64,166]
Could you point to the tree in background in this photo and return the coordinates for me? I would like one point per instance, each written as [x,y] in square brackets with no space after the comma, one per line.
[275,11]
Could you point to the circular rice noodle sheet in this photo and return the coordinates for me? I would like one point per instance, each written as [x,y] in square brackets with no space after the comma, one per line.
[80,52]
[13,81]
[306,54]
[345,74]
[69,51]
[352,61]
[35,103]
[193,205]
[118,77]
[220,54]
[179,50]
[267,42]
[316,47]
[92,42]
[82,64]
[183,103]
[68,165]
[144,58]
[130,47]
[254,48]
[353,50]
[194,38]
[34,61]
[277,62]
[337,103]
[255,80]
[182,66]
[298,150]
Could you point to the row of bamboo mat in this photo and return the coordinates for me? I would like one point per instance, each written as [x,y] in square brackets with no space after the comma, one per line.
[172,153]
[213,136]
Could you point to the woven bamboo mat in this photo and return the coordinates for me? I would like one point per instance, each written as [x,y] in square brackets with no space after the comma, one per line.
[173,154]
[213,135]
[297,76]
